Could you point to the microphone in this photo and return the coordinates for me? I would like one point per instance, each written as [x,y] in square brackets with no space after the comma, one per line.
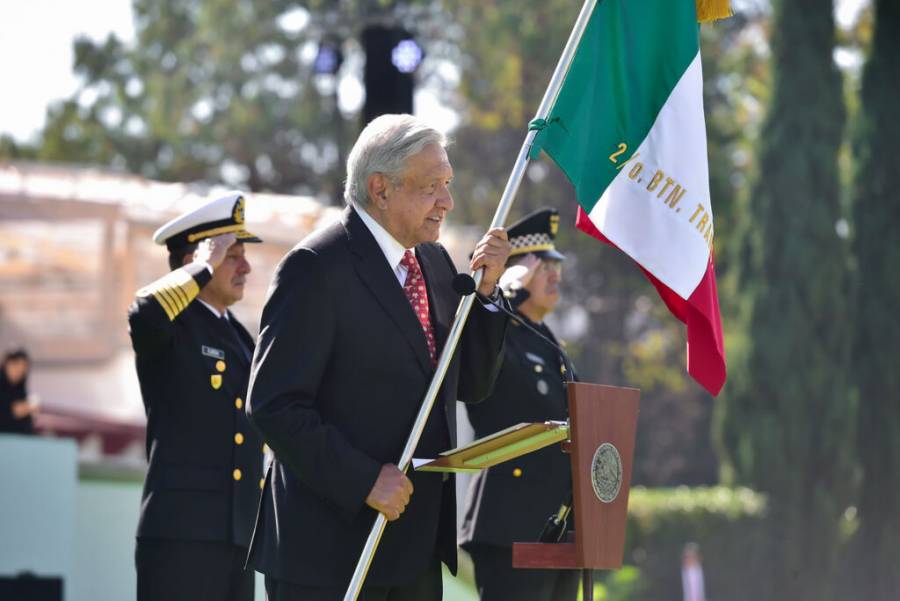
[464,285]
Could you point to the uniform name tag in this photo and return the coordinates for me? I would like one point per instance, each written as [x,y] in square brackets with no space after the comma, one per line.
[212,352]
[535,358]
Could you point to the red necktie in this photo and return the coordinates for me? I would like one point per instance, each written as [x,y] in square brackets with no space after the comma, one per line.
[415,291]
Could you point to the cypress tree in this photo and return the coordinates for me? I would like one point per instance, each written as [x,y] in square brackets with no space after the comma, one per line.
[876,245]
[786,423]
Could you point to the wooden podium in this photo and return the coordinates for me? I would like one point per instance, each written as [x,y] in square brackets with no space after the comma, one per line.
[602,426]
[600,440]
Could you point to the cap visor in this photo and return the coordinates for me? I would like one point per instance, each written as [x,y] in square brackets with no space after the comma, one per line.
[245,236]
[551,254]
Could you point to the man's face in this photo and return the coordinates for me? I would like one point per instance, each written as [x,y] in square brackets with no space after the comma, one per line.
[416,206]
[227,283]
[543,288]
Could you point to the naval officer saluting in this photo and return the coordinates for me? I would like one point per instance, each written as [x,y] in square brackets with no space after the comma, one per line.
[205,459]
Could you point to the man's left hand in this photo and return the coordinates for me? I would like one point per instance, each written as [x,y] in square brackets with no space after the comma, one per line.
[491,253]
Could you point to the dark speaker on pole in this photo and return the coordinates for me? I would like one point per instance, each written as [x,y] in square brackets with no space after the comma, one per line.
[392,57]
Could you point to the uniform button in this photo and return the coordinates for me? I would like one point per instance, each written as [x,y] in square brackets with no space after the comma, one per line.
[517,473]
[538,368]
[236,474]
[238,438]
[262,483]
[238,403]
[220,365]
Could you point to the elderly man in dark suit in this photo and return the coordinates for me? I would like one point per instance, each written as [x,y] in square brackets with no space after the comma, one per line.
[356,317]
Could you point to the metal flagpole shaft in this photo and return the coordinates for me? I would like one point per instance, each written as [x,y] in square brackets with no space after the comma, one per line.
[465,304]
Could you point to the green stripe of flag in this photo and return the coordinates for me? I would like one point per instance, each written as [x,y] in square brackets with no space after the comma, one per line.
[632,54]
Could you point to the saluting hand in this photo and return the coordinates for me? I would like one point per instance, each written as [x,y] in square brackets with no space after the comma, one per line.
[213,250]
[519,276]
[491,253]
[391,492]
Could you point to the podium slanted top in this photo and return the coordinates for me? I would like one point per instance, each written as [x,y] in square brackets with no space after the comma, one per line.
[501,446]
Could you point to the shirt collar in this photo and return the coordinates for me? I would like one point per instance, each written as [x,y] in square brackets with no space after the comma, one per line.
[213,309]
[393,250]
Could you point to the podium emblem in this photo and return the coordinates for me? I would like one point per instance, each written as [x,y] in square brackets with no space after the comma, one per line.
[606,472]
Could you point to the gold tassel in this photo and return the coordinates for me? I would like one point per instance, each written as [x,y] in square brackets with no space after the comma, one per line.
[712,10]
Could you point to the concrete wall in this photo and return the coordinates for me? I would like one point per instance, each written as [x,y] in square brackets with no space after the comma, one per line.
[38,483]
[54,525]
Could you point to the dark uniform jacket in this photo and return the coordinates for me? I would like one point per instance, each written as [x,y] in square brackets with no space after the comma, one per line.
[338,377]
[205,460]
[12,393]
[511,502]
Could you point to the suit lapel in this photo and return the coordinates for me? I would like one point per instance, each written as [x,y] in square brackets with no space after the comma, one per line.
[376,274]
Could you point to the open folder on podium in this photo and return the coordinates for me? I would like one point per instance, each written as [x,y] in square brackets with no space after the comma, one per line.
[501,446]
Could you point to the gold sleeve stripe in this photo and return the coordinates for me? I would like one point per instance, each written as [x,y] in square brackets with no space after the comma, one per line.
[186,283]
[174,291]
[173,301]
[165,305]
[180,295]
[165,286]
[190,289]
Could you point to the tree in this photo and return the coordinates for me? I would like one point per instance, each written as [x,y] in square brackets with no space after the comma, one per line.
[211,89]
[876,244]
[787,423]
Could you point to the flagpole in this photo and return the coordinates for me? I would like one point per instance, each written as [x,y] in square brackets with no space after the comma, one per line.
[465,304]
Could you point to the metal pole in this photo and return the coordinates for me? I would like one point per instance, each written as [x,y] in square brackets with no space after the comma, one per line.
[587,584]
[465,304]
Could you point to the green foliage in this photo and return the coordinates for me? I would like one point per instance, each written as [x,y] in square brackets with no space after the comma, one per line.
[625,584]
[211,89]
[787,423]
[727,524]
[876,243]
[10,149]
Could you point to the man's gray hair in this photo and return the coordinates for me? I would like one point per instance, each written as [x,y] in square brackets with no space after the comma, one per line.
[384,147]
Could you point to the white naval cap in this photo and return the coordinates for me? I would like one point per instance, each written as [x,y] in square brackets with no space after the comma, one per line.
[223,215]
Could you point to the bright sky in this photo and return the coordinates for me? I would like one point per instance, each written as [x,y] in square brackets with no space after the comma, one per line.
[36,53]
[36,48]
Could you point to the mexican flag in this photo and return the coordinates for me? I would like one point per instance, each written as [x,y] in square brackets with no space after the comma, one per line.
[627,128]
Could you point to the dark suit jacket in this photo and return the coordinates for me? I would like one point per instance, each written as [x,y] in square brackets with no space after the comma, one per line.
[197,434]
[338,376]
[511,502]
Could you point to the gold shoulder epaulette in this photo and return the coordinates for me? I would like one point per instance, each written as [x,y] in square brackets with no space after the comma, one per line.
[173,291]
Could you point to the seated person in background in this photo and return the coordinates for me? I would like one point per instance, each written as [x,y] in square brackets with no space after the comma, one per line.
[16,409]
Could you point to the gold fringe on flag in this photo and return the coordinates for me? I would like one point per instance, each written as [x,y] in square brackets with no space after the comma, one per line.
[712,10]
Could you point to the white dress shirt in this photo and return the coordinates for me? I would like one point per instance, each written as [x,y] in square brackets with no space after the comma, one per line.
[393,250]
[213,309]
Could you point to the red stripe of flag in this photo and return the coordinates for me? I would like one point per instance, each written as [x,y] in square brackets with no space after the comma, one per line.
[700,312]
